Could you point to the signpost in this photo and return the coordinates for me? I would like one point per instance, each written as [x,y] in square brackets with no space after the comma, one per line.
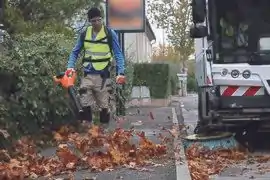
[182,77]
[125,16]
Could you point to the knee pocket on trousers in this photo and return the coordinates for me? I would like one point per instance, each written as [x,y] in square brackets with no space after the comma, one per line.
[82,91]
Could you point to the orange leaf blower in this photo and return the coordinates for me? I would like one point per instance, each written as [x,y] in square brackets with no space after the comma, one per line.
[67,82]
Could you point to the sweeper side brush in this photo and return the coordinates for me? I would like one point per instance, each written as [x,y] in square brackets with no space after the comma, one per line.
[212,142]
[67,82]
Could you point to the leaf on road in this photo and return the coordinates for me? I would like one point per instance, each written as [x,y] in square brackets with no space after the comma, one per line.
[98,150]
[151,116]
[174,131]
[203,162]
[66,156]
[4,133]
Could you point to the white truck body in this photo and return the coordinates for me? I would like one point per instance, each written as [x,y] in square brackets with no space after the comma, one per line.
[236,92]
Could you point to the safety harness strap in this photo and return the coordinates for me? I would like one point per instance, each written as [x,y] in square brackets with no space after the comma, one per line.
[96,60]
[100,41]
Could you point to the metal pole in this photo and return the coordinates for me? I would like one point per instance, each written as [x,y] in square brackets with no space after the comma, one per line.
[123,43]
[163,42]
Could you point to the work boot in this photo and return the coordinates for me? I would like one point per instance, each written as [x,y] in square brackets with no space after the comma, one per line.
[104,118]
[86,115]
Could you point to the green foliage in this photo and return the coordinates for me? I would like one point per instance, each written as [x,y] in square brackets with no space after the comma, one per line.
[29,16]
[191,84]
[124,94]
[37,102]
[174,69]
[175,17]
[129,75]
[155,76]
[191,67]
[191,80]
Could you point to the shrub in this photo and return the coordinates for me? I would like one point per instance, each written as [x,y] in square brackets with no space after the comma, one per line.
[191,84]
[174,69]
[36,102]
[155,76]
[124,95]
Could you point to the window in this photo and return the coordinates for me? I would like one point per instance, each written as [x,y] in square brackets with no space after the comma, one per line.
[264,44]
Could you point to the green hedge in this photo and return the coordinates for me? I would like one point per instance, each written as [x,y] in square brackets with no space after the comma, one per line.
[35,103]
[158,77]
[191,84]
[122,96]
[174,69]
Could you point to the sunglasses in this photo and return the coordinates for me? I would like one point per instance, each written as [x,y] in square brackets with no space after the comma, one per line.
[95,20]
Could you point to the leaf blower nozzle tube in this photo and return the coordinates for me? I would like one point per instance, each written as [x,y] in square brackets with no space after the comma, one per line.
[67,82]
[73,95]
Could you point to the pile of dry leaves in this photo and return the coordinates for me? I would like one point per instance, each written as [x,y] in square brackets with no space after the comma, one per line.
[203,162]
[95,150]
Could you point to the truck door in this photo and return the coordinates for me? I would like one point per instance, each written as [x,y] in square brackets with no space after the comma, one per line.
[203,66]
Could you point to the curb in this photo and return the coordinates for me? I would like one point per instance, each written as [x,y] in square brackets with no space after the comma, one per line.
[182,170]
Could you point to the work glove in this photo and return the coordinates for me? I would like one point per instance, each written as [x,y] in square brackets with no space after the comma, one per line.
[69,71]
[120,79]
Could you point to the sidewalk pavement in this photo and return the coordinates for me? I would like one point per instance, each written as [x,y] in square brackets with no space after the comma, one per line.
[163,118]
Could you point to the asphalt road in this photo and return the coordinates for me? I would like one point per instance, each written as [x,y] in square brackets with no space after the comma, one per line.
[152,127]
[246,170]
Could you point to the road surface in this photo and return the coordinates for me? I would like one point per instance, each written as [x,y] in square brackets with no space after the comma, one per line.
[244,171]
[163,119]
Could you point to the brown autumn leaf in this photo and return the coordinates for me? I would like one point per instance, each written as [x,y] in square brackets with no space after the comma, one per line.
[100,161]
[99,150]
[58,137]
[95,131]
[262,159]
[203,162]
[4,133]
[174,131]
[4,156]
[66,155]
[151,116]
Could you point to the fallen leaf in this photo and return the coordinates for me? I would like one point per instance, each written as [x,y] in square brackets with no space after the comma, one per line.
[4,133]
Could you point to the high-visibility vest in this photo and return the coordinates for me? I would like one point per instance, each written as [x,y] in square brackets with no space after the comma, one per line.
[228,31]
[97,51]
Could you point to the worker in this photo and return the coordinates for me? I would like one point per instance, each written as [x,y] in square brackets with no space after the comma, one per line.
[233,31]
[100,45]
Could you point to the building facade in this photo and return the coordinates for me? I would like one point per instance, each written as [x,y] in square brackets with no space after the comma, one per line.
[139,45]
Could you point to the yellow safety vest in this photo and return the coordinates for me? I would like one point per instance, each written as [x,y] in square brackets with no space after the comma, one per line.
[228,31]
[97,51]
[226,28]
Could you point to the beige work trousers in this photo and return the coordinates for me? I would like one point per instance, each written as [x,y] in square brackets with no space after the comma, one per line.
[93,93]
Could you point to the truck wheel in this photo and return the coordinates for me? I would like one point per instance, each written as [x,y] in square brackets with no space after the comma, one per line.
[247,136]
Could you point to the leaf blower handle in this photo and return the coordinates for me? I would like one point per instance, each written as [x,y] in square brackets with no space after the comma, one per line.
[67,82]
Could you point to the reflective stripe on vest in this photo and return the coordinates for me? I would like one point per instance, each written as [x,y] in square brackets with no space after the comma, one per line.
[97,51]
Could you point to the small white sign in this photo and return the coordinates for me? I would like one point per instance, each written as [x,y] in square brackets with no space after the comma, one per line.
[139,92]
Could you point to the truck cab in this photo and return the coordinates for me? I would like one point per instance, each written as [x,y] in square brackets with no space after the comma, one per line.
[232,53]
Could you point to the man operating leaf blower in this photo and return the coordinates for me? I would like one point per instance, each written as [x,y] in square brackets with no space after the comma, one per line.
[100,45]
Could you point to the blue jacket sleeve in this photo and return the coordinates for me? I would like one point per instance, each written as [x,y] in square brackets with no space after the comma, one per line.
[118,54]
[75,52]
